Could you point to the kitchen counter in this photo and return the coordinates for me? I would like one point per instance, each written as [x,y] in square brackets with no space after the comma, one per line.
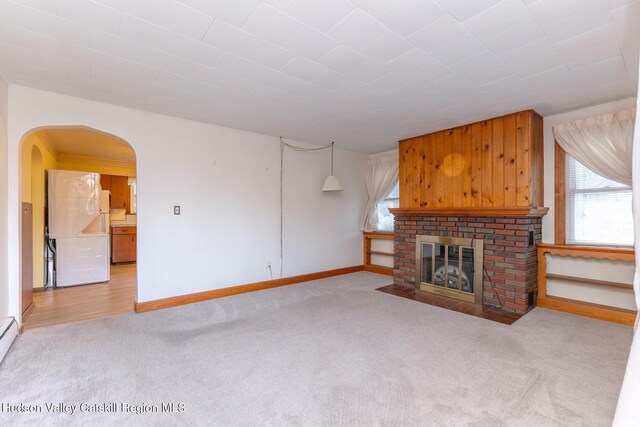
[92,233]
[122,224]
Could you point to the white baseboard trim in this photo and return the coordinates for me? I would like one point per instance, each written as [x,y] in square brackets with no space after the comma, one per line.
[8,333]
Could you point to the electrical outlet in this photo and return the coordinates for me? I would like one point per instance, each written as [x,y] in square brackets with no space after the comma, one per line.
[176,210]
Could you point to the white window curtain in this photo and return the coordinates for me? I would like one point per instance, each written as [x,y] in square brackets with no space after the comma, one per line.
[381,177]
[628,410]
[602,143]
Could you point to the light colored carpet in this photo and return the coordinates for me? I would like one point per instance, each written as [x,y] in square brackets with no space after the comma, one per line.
[330,352]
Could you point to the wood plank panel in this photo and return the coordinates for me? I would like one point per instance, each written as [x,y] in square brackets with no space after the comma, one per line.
[498,162]
[408,173]
[487,163]
[422,171]
[476,165]
[456,167]
[467,150]
[415,172]
[404,182]
[509,147]
[537,160]
[447,164]
[431,200]
[493,163]
[439,169]
[523,152]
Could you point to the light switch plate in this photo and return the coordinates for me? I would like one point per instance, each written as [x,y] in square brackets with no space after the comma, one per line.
[176,210]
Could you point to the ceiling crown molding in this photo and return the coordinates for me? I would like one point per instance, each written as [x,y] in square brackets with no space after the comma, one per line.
[65,158]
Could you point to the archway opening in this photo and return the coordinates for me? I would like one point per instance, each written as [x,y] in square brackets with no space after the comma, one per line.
[83,261]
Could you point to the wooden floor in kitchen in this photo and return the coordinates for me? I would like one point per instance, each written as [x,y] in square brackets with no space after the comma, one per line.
[72,304]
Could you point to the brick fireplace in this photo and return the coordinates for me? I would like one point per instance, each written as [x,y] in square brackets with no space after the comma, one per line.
[479,181]
[509,262]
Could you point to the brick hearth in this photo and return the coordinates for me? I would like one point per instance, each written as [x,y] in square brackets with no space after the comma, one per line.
[510,262]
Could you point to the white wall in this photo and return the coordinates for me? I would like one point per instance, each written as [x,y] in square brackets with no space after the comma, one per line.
[227,183]
[568,289]
[628,411]
[4,280]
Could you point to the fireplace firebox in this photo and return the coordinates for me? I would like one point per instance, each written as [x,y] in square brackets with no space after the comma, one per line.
[450,266]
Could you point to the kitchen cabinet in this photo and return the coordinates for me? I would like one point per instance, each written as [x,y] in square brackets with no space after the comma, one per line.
[120,196]
[123,244]
[120,193]
[105,182]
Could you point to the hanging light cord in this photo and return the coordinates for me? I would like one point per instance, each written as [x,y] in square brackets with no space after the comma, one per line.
[332,158]
[281,202]
[294,148]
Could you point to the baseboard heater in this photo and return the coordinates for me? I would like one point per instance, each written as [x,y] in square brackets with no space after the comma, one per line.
[8,333]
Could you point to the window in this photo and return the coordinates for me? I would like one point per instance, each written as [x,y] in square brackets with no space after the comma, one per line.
[385,219]
[598,210]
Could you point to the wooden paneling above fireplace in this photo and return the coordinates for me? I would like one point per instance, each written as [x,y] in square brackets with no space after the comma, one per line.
[495,163]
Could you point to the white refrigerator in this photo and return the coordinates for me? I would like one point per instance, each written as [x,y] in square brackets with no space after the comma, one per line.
[79,223]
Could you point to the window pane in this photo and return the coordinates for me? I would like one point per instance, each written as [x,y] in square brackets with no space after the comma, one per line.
[385,219]
[585,178]
[602,218]
[595,215]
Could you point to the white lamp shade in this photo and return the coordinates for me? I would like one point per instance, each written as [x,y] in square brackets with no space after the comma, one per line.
[331,184]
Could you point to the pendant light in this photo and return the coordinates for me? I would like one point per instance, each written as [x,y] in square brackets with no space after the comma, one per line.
[331,183]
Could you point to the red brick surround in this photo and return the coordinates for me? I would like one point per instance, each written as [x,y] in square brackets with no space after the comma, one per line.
[510,262]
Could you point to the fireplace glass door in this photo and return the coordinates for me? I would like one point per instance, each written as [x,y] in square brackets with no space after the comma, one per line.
[450,267]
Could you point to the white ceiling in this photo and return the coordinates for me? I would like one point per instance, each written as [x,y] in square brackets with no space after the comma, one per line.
[80,142]
[364,73]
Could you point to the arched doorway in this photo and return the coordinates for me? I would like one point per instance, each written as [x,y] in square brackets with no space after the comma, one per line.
[65,289]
